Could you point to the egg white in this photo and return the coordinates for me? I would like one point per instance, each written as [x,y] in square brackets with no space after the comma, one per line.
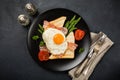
[55,49]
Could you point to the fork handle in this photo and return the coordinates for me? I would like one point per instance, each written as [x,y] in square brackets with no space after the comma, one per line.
[89,64]
[80,68]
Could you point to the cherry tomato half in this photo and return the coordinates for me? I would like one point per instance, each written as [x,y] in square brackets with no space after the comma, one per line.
[43,55]
[79,34]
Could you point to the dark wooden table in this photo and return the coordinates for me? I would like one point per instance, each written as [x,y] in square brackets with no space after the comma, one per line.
[17,64]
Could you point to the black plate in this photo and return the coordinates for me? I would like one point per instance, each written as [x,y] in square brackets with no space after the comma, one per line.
[62,64]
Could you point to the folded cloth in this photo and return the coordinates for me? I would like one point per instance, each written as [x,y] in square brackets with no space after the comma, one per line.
[104,48]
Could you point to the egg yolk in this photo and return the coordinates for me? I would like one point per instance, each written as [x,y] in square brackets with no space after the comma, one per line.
[58,38]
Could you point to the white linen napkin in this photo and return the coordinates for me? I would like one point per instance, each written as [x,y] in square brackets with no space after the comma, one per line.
[104,48]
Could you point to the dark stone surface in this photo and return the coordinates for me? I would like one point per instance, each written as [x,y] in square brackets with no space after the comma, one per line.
[17,64]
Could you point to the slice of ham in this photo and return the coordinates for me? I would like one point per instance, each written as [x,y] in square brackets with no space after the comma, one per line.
[47,25]
[72,46]
[64,30]
[43,48]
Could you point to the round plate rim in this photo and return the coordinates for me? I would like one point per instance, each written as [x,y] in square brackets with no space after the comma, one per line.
[33,23]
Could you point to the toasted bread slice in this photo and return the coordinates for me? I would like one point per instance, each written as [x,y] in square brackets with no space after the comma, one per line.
[70,37]
[69,54]
[59,22]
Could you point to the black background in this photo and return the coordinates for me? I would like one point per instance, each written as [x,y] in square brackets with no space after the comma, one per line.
[17,64]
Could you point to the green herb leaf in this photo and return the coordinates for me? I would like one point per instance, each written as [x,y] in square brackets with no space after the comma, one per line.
[41,28]
[35,37]
[40,31]
[81,50]
[42,43]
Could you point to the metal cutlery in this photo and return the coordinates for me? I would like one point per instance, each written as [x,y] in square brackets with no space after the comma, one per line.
[89,66]
[99,40]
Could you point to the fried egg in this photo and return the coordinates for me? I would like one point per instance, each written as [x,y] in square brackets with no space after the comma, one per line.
[55,41]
